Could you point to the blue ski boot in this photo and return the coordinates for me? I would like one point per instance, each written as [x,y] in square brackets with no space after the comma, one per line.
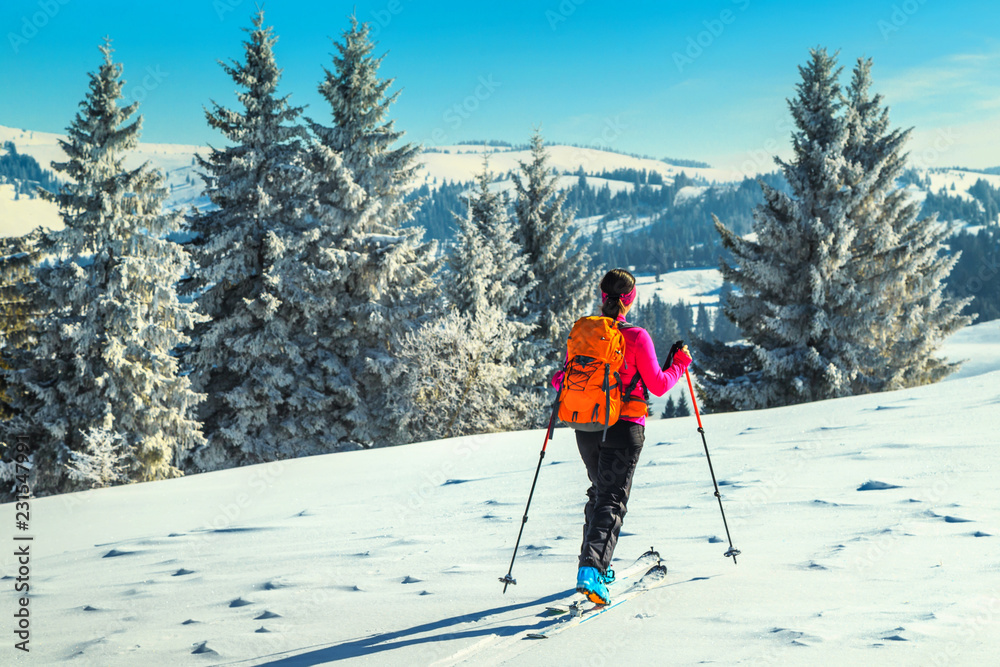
[590,582]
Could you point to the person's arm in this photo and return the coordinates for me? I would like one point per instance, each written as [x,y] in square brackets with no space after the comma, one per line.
[657,380]
[557,379]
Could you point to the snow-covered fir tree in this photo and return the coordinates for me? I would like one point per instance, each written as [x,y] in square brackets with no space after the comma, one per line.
[263,279]
[467,372]
[102,364]
[794,293]
[899,265]
[463,377]
[362,132]
[385,267]
[843,290]
[487,266]
[556,258]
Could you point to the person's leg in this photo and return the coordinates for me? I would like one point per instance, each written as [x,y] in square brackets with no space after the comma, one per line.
[589,445]
[616,464]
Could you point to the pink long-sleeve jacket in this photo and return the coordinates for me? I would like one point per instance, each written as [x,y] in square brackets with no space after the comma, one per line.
[640,354]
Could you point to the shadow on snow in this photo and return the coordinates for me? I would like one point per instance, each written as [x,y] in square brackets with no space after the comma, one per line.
[389,641]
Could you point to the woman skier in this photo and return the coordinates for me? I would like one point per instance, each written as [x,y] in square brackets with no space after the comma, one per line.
[611,463]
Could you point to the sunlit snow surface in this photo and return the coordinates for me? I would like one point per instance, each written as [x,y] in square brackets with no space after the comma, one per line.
[391,556]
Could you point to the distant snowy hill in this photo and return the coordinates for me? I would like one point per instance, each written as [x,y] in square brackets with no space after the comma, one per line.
[458,163]
[868,529]
[461,163]
[176,161]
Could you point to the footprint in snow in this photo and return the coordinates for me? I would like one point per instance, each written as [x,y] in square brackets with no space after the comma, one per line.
[115,553]
[202,649]
[947,517]
[266,615]
[875,485]
[410,580]
[352,589]
[813,565]
[182,572]
[794,637]
[239,602]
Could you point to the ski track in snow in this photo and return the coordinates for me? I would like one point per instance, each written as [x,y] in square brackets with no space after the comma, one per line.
[868,527]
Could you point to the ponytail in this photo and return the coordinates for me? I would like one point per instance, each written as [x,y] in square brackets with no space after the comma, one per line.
[612,306]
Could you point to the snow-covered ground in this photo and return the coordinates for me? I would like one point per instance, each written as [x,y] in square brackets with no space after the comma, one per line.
[693,286]
[391,556]
[956,182]
[19,215]
[615,227]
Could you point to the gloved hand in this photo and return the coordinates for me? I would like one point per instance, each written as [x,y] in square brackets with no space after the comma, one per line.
[557,379]
[678,348]
[683,357]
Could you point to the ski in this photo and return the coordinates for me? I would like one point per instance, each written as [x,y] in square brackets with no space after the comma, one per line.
[622,590]
[623,577]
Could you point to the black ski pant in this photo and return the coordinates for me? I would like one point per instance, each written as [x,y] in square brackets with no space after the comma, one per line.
[610,465]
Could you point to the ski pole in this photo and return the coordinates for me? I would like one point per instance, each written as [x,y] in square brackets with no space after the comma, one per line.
[508,579]
[733,551]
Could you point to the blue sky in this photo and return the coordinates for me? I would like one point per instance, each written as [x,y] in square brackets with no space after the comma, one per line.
[700,80]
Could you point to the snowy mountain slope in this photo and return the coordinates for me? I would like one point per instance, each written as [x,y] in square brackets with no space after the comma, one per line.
[176,161]
[19,215]
[392,556]
[693,286]
[461,163]
[959,179]
[453,163]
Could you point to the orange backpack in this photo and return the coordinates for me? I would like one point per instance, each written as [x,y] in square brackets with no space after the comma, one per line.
[590,398]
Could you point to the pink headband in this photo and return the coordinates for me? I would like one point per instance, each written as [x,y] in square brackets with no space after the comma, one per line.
[626,299]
